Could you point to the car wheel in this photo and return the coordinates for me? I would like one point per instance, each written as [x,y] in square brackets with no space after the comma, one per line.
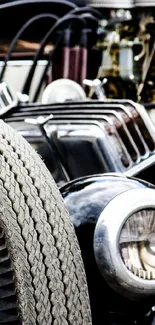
[42,279]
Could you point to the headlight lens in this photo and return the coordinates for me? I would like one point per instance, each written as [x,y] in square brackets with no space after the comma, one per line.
[137,244]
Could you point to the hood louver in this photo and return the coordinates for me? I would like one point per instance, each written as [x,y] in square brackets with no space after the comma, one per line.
[119,133]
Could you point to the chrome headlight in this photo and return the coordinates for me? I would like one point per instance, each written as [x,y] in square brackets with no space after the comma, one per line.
[124,243]
[137,244]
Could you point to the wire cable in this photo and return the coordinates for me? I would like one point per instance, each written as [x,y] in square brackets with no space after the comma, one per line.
[50,59]
[21,2]
[19,33]
[83,10]
[65,19]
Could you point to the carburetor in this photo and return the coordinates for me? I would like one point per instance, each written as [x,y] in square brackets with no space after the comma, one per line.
[126,39]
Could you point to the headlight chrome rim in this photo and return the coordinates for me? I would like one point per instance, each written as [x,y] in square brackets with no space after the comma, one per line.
[137,244]
[106,242]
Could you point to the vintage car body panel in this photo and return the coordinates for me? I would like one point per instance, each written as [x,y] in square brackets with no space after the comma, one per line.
[85,199]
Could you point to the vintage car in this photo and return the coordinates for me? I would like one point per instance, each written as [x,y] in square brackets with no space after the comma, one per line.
[77,162]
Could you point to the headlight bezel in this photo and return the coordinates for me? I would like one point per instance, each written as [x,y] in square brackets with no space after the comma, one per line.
[106,242]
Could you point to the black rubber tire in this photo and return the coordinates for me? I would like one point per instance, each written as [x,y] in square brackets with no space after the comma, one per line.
[48,270]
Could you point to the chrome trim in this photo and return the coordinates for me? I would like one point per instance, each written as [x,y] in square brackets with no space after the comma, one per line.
[106,246]
[141,166]
[121,4]
[16,63]
[106,146]
[145,117]
[144,3]
[108,116]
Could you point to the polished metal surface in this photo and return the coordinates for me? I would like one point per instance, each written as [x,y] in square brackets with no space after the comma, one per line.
[144,3]
[87,197]
[137,245]
[20,68]
[106,242]
[62,90]
[111,4]
[145,117]
[94,137]
[143,165]
[6,97]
